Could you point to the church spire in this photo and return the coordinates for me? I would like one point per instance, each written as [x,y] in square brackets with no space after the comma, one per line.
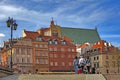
[52,22]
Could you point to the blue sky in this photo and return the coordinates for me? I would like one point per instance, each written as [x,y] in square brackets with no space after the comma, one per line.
[34,14]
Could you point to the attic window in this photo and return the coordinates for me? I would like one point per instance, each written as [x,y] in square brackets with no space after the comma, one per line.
[39,38]
[55,42]
[105,44]
[50,41]
[64,42]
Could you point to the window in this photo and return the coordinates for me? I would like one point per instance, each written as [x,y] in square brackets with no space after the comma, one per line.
[94,58]
[63,63]
[37,61]
[46,61]
[36,45]
[19,50]
[113,63]
[41,45]
[98,43]
[41,61]
[106,57]
[55,49]
[69,50]
[70,64]
[107,71]
[50,49]
[55,33]
[51,63]
[55,42]
[73,50]
[97,57]
[28,60]
[94,65]
[107,64]
[51,55]
[55,56]
[63,42]
[29,51]
[37,53]
[45,46]
[50,41]
[62,49]
[23,60]
[98,65]
[17,60]
[56,63]
[39,38]
[105,44]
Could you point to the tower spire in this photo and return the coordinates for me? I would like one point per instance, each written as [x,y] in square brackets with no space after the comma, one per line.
[52,22]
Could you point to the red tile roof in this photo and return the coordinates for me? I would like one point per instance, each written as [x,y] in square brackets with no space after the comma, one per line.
[83,45]
[32,35]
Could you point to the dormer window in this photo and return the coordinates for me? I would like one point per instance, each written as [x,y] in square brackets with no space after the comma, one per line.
[39,38]
[56,41]
[63,42]
[50,41]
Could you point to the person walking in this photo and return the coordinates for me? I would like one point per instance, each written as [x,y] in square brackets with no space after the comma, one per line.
[88,64]
[82,63]
[75,63]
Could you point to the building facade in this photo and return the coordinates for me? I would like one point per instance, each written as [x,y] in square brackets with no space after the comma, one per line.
[105,58]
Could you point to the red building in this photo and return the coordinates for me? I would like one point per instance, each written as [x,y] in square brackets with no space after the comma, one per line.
[61,50]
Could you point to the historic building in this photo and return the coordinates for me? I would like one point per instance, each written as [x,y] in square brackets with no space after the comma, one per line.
[107,63]
[83,49]
[61,51]
[47,49]
[104,57]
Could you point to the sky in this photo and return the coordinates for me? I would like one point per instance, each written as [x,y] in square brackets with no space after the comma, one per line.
[35,14]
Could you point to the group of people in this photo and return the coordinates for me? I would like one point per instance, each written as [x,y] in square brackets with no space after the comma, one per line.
[82,64]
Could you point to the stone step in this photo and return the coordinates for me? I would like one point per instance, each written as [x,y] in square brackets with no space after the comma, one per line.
[55,77]
[55,73]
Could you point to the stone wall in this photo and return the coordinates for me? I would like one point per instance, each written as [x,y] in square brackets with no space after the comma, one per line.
[112,76]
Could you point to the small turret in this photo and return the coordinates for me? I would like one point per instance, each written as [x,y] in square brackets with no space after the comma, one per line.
[52,22]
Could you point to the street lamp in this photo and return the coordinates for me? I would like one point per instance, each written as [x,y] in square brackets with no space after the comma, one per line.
[11,24]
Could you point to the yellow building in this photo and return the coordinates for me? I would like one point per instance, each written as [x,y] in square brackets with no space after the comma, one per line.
[105,63]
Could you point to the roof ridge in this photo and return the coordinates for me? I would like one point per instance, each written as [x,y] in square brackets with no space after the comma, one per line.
[78,28]
[31,31]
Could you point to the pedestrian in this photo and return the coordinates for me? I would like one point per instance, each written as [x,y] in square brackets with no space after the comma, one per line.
[88,64]
[75,63]
[82,63]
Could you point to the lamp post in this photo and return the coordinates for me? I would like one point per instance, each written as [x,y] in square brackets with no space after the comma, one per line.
[11,24]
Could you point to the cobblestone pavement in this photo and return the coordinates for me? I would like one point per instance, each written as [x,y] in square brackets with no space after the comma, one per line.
[54,77]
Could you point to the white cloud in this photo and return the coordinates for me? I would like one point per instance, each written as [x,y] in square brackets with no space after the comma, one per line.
[2,35]
[116,44]
[110,36]
[21,13]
